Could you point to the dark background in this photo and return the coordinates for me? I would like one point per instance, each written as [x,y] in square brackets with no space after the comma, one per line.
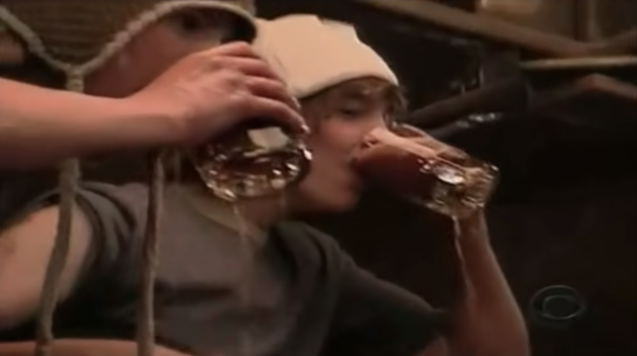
[565,211]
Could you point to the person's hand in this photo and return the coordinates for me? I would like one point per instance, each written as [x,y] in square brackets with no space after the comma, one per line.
[211,91]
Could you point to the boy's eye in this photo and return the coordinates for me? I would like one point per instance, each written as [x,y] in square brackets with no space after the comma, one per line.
[353,109]
[192,22]
[350,111]
[203,24]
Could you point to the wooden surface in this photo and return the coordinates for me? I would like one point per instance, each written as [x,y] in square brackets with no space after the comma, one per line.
[483,27]
[594,100]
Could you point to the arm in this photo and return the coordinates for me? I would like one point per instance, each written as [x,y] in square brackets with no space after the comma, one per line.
[25,248]
[487,322]
[72,347]
[39,127]
[104,233]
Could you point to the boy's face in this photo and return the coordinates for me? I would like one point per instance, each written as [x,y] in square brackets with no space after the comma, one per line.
[350,111]
[158,47]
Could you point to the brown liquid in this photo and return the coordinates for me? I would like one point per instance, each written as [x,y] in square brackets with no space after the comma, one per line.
[251,240]
[410,164]
[246,292]
[253,160]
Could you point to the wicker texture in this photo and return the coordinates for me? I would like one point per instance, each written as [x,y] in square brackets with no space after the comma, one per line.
[76,31]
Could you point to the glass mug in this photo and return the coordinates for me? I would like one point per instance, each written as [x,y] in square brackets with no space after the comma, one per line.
[254,159]
[408,163]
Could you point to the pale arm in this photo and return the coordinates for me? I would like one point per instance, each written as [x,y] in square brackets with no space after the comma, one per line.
[488,321]
[24,254]
[39,127]
[73,347]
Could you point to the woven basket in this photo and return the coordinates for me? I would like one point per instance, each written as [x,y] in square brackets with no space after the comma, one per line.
[80,35]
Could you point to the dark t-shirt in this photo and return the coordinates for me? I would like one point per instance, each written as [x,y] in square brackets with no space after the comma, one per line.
[307,297]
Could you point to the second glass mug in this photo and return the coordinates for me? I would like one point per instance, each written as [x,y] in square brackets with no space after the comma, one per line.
[261,159]
[407,162]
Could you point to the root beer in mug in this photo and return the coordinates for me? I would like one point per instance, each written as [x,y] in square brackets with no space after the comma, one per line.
[411,164]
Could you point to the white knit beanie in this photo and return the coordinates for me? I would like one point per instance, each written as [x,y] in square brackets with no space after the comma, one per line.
[313,54]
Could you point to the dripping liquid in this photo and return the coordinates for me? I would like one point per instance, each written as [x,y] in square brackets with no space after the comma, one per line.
[465,288]
[252,241]
[246,342]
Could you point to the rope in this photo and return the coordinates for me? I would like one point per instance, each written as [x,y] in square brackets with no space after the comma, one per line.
[150,247]
[68,179]
[69,173]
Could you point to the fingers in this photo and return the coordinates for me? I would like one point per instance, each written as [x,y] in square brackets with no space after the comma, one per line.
[281,112]
[235,49]
[246,66]
[265,93]
[272,89]
[262,82]
[241,57]
[260,77]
